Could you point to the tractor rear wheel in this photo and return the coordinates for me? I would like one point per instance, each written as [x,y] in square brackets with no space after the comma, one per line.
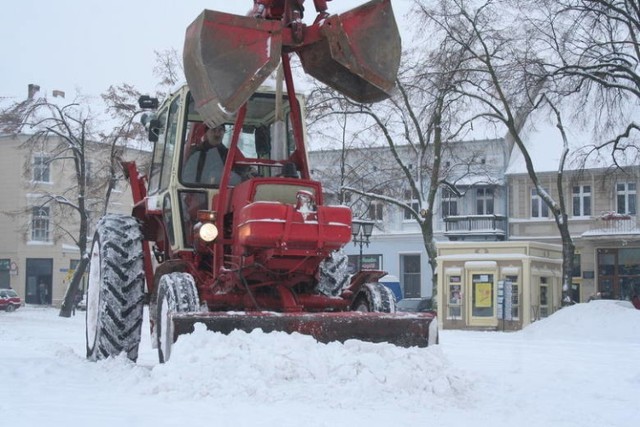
[177,293]
[374,297]
[115,293]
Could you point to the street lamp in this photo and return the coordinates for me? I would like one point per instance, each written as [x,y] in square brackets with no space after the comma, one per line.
[361,232]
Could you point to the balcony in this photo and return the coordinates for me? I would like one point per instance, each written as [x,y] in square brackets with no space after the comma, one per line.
[475,227]
[612,224]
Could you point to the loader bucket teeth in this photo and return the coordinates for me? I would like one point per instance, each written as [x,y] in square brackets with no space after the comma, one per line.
[226,59]
[358,54]
[411,330]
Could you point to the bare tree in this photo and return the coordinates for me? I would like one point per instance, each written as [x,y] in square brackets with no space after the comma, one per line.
[596,53]
[72,133]
[505,81]
[414,127]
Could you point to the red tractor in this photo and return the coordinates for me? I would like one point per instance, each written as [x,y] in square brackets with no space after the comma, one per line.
[243,239]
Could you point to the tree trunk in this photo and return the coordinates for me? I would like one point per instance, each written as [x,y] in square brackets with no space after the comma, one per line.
[70,297]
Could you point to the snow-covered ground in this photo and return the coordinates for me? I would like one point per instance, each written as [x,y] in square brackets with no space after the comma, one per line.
[580,367]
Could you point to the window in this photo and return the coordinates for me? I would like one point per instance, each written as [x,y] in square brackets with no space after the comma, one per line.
[538,208]
[376,211]
[40,224]
[455,297]
[41,169]
[484,201]
[482,300]
[577,270]
[626,198]
[411,198]
[544,298]
[515,299]
[581,200]
[410,268]
[449,203]
[5,269]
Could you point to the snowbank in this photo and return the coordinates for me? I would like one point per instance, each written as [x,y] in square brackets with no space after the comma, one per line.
[600,320]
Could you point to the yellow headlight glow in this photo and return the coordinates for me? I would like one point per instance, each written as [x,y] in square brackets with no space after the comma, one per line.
[208,232]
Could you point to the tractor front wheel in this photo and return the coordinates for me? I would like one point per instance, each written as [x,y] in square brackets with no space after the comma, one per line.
[177,293]
[374,297]
[115,290]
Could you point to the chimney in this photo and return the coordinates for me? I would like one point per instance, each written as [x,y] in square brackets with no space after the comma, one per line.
[58,94]
[33,89]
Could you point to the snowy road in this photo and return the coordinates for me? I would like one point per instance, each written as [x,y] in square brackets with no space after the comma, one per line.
[578,368]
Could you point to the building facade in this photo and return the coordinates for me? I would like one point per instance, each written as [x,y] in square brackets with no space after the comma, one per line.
[476,210]
[603,223]
[503,206]
[37,253]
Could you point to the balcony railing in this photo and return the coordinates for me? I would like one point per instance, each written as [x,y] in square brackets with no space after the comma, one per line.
[472,226]
[612,224]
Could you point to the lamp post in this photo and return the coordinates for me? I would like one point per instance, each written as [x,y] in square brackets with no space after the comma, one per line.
[361,232]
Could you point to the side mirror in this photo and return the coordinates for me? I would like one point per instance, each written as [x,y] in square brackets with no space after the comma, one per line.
[147,102]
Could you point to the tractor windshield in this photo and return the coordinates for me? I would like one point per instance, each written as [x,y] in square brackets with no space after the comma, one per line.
[205,150]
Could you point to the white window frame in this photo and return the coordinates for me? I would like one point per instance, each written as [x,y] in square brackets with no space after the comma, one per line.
[626,190]
[537,202]
[41,168]
[483,196]
[413,202]
[40,224]
[448,197]
[376,211]
[581,199]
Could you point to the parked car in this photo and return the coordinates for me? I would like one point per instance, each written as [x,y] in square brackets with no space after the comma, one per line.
[82,304]
[9,300]
[416,305]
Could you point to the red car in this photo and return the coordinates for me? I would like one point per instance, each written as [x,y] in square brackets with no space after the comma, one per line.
[9,300]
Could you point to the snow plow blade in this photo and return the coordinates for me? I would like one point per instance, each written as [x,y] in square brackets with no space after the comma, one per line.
[227,57]
[402,330]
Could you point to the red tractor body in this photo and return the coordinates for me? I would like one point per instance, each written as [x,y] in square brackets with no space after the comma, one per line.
[253,245]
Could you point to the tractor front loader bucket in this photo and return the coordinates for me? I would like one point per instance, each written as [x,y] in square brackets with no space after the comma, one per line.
[226,59]
[358,53]
[403,330]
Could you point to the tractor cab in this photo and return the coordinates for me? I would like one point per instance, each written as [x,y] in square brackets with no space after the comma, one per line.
[185,176]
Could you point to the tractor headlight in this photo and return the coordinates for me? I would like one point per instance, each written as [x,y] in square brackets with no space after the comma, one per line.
[208,232]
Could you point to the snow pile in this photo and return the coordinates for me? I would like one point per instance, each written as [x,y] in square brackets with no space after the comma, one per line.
[600,320]
[558,372]
[279,367]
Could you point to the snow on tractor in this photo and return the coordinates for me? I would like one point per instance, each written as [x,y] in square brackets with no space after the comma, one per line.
[237,236]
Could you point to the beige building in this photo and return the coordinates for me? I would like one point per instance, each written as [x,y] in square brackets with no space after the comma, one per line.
[497,285]
[37,254]
[603,223]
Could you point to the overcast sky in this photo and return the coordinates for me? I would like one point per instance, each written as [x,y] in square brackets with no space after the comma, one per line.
[87,46]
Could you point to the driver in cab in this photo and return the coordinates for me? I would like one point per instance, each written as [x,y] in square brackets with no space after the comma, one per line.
[205,163]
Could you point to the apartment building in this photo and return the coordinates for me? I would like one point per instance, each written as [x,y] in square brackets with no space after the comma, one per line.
[37,254]
[495,210]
